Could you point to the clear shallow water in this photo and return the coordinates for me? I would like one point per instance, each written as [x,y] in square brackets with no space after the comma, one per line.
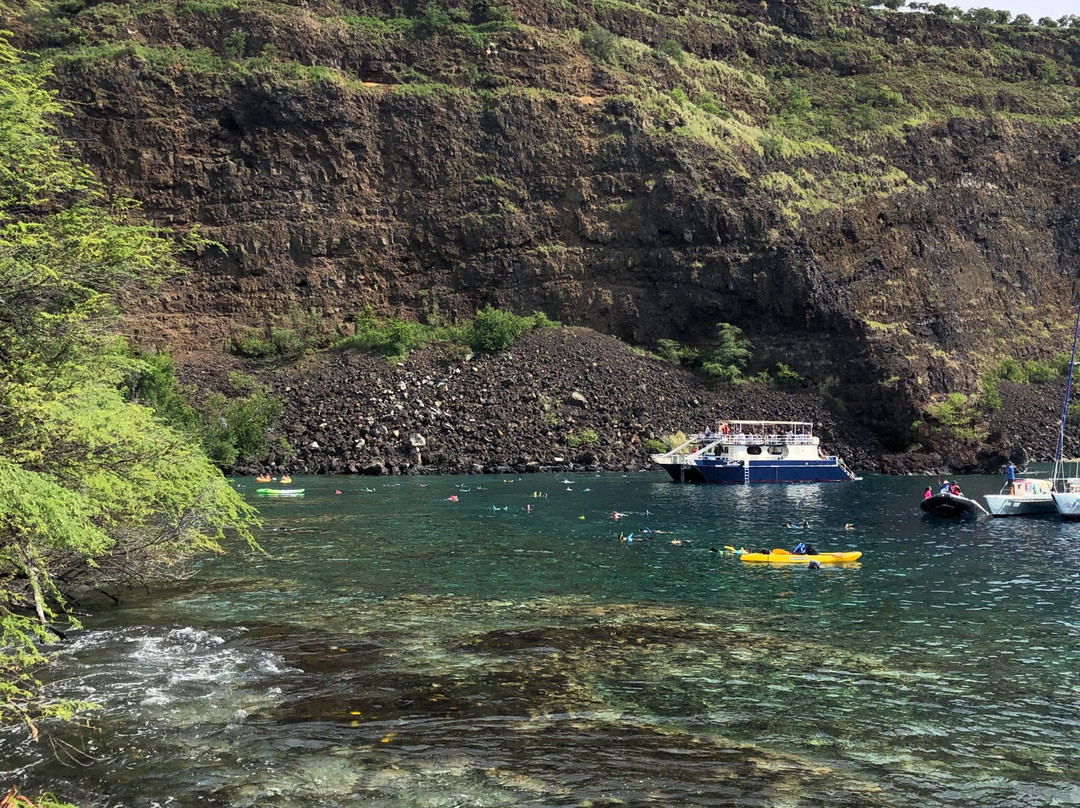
[397,649]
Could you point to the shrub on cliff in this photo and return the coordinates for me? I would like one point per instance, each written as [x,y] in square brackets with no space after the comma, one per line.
[392,338]
[989,397]
[586,437]
[491,330]
[236,430]
[290,335]
[726,361]
[599,43]
[494,330]
[785,376]
[1032,370]
[959,416]
[656,446]
[432,21]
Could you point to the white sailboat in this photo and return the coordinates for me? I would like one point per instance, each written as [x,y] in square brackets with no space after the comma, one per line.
[1066,493]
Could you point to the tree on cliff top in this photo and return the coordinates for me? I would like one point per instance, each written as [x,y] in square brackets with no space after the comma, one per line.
[93,487]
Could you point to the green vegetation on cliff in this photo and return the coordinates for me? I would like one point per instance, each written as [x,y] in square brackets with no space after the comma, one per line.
[725,360]
[726,75]
[803,103]
[490,330]
[93,486]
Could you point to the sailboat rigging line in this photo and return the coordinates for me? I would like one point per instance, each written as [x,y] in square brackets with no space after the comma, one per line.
[1068,391]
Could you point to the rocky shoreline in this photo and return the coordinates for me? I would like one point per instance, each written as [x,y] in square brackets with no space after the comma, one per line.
[565,399]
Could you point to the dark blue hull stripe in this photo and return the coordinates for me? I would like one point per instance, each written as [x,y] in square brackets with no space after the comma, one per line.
[783,471]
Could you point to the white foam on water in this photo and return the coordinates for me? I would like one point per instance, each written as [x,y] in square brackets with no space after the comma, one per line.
[181,675]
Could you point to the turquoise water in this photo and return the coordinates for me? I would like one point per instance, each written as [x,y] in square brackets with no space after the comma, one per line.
[394,648]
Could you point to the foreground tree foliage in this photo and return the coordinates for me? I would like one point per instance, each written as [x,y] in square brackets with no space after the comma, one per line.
[94,487]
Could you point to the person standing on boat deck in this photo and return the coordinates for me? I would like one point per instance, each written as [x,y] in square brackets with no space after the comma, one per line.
[1010,472]
[708,434]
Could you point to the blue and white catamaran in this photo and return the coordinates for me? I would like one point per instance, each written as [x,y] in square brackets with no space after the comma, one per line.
[744,452]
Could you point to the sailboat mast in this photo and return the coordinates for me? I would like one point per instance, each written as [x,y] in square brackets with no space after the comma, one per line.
[1068,392]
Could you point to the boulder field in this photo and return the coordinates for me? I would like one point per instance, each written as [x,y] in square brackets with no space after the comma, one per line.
[566,399]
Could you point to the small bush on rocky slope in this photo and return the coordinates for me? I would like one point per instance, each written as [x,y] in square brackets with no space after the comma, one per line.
[726,361]
[392,338]
[491,330]
[1036,371]
[295,334]
[959,416]
[586,437]
[495,330]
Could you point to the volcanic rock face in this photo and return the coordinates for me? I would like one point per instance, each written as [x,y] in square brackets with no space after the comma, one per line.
[424,174]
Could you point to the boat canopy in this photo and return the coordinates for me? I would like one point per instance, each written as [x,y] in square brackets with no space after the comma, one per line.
[768,427]
[745,433]
[772,433]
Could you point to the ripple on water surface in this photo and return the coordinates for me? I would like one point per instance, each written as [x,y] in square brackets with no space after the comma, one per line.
[399,649]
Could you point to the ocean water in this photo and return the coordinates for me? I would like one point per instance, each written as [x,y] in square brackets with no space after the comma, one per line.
[395,648]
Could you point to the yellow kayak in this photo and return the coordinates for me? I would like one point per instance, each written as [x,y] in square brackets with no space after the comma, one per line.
[777,556]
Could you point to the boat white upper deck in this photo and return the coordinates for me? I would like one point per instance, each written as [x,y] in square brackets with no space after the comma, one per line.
[753,451]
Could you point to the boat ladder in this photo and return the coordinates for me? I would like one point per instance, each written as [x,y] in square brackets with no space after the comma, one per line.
[746,473]
[847,471]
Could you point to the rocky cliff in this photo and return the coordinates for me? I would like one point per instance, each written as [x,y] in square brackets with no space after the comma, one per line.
[884,201]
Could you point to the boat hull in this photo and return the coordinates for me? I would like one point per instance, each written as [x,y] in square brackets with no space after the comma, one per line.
[1067,504]
[1005,505]
[950,506]
[766,471]
[784,557]
[683,472]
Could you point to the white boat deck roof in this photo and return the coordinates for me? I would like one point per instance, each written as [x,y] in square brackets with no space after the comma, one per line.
[768,423]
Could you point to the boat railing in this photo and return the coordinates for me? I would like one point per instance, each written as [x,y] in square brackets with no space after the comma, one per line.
[691,447]
[790,439]
[761,439]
